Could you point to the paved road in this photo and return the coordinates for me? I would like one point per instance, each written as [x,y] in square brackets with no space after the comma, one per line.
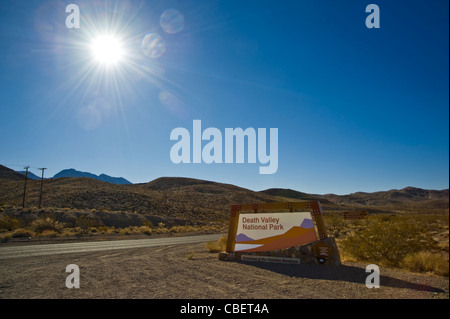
[69,248]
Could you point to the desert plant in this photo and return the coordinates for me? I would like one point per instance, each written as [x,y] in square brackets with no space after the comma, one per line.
[103,229]
[48,233]
[22,233]
[9,223]
[424,261]
[86,223]
[145,230]
[217,246]
[190,255]
[5,237]
[387,241]
[46,224]
[148,224]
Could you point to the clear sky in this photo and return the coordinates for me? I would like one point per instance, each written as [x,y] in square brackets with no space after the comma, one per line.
[357,109]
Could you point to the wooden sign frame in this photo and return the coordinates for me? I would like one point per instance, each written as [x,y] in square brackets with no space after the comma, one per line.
[312,206]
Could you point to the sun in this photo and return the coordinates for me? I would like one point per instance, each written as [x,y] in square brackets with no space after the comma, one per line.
[107,50]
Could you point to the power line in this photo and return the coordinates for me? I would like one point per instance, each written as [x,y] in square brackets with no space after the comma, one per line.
[25,187]
[42,183]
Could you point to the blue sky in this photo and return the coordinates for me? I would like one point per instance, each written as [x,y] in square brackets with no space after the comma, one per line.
[356,109]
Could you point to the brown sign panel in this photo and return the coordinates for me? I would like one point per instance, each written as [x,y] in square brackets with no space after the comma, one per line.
[322,251]
[355,215]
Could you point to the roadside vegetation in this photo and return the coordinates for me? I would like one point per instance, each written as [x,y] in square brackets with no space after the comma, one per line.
[47,225]
[416,242]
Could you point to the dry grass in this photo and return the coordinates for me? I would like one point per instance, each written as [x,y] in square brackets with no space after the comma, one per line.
[217,246]
[424,261]
[22,233]
[190,255]
[47,224]
[9,223]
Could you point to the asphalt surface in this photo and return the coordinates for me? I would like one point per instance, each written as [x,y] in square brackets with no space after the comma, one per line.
[11,252]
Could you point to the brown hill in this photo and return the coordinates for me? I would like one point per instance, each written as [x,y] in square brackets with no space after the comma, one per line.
[289,193]
[192,199]
[185,198]
[9,174]
[409,197]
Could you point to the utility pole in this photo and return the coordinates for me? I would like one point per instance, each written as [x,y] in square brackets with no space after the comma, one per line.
[42,183]
[25,187]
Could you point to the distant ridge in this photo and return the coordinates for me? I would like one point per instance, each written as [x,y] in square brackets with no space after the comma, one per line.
[167,183]
[289,193]
[408,197]
[196,199]
[397,197]
[9,174]
[102,177]
[30,175]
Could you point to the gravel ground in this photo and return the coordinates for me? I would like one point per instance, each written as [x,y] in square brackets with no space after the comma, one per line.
[189,271]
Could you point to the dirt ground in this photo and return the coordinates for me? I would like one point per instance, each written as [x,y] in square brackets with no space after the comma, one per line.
[190,271]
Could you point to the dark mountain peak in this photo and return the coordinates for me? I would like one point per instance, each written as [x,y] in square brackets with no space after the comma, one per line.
[114,180]
[71,172]
[30,175]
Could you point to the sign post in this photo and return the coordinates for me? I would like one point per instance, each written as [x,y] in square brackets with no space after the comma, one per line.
[356,215]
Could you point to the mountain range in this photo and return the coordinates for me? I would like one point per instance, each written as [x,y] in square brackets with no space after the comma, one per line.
[74,173]
[198,200]
[102,177]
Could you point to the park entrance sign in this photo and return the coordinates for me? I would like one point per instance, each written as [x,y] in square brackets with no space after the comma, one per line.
[292,232]
[271,231]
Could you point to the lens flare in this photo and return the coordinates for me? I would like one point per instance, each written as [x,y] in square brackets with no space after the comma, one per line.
[153,45]
[171,21]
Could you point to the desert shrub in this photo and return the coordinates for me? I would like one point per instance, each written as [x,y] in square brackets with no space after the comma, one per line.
[161,230]
[387,240]
[175,229]
[86,223]
[21,233]
[103,229]
[5,237]
[9,223]
[217,246]
[48,233]
[426,262]
[46,224]
[148,224]
[126,231]
[190,255]
[145,230]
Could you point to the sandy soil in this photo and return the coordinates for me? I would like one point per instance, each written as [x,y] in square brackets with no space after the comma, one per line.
[190,271]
